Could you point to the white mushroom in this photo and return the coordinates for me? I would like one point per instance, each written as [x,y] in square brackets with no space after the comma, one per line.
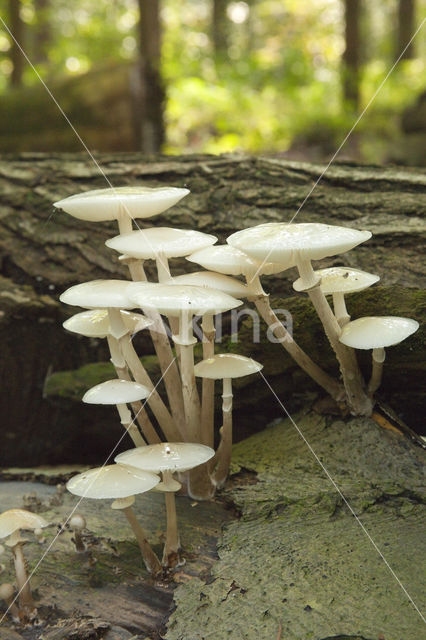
[159,244]
[225,366]
[228,259]
[166,458]
[112,294]
[11,523]
[121,203]
[338,281]
[120,392]
[184,301]
[77,523]
[120,483]
[376,333]
[298,244]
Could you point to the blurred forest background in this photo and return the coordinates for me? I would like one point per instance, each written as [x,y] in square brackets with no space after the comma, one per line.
[285,77]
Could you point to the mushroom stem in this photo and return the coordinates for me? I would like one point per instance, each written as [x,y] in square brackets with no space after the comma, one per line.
[340,311]
[122,372]
[163,269]
[357,399]
[26,601]
[172,545]
[124,220]
[306,272]
[333,387]
[7,593]
[154,400]
[207,393]
[129,425]
[150,559]
[222,458]
[191,401]
[164,353]
[378,358]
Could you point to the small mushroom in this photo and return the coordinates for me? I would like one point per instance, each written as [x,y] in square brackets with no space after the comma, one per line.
[11,523]
[120,392]
[7,593]
[225,366]
[120,483]
[376,333]
[166,458]
[77,523]
[338,281]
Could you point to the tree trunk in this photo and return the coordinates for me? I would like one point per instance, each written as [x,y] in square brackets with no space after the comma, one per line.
[151,98]
[405,29]
[44,251]
[220,28]
[351,55]
[42,30]
[16,26]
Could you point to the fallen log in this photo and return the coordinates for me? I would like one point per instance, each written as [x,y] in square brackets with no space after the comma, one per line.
[43,251]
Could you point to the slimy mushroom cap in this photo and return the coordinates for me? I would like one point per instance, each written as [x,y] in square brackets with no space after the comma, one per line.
[15,519]
[107,204]
[284,242]
[111,482]
[377,332]
[116,391]
[166,456]
[98,293]
[94,323]
[341,280]
[213,280]
[226,365]
[173,299]
[230,260]
[146,244]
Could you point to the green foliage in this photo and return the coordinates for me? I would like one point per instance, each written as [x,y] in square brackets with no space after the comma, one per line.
[278,86]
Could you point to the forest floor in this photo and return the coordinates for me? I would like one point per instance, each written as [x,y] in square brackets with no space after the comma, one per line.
[277,555]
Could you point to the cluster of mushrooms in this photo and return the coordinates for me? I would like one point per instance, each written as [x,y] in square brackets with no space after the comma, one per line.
[177,436]
[116,309]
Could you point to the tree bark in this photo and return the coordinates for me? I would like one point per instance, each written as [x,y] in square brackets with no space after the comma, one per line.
[405,29]
[43,251]
[16,26]
[151,99]
[351,55]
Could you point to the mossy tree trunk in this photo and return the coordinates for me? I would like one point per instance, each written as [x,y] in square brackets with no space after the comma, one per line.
[43,251]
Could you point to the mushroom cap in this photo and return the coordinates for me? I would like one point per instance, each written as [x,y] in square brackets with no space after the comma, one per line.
[230,260]
[94,323]
[7,591]
[286,242]
[14,519]
[377,332]
[146,244]
[173,299]
[107,204]
[112,481]
[213,280]
[77,521]
[98,293]
[166,456]
[226,365]
[116,391]
[341,280]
